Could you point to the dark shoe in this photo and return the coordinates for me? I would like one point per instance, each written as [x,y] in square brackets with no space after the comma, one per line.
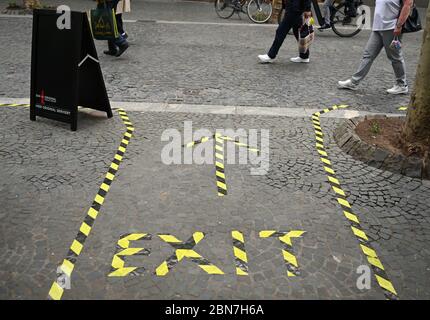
[237,5]
[346,20]
[324,26]
[122,48]
[110,52]
[125,35]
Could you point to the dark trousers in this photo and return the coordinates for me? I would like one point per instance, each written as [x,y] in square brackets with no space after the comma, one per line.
[350,8]
[292,20]
[119,23]
[120,41]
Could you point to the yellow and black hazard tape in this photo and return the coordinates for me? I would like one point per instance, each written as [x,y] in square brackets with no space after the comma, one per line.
[365,245]
[240,144]
[185,250]
[196,142]
[14,105]
[285,238]
[205,139]
[118,268]
[240,257]
[219,166]
[57,290]
[219,157]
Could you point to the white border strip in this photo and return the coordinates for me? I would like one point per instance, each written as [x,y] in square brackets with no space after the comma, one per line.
[233,24]
[233,110]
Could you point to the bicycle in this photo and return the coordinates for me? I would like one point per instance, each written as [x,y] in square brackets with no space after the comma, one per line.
[259,11]
[342,24]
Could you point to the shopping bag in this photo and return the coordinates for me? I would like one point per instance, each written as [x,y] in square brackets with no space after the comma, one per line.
[306,36]
[103,23]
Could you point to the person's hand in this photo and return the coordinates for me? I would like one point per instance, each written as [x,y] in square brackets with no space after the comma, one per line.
[307,14]
[397,31]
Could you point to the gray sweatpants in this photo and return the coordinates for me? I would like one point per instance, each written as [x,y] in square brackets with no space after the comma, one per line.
[377,41]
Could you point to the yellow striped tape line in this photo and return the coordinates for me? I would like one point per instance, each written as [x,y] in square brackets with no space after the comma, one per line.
[365,245]
[185,250]
[219,158]
[285,238]
[118,268]
[240,256]
[57,290]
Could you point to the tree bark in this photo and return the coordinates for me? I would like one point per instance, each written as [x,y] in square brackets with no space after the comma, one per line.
[417,125]
[30,4]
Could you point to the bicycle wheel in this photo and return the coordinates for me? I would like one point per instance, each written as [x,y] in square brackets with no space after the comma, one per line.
[259,11]
[343,25]
[224,8]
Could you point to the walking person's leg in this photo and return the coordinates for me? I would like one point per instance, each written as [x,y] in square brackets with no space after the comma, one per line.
[327,14]
[120,23]
[118,46]
[282,31]
[398,63]
[297,24]
[121,41]
[373,48]
[112,48]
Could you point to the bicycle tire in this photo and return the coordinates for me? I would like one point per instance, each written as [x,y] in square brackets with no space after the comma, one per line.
[342,32]
[266,15]
[221,6]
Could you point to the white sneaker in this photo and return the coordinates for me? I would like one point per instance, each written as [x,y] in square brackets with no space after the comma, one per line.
[299,60]
[398,89]
[264,58]
[347,84]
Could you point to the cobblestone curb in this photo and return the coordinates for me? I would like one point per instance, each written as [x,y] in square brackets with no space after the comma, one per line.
[350,142]
[18,11]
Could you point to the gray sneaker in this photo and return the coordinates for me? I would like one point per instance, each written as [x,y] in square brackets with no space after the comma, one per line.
[398,89]
[347,84]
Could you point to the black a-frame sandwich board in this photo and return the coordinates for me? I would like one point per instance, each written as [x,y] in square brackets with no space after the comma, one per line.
[65,71]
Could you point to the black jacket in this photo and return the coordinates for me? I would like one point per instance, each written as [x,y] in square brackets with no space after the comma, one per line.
[298,6]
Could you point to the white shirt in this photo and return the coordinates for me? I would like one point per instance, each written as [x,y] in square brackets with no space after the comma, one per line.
[386,14]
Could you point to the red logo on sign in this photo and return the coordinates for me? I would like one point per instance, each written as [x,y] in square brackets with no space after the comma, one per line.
[42,97]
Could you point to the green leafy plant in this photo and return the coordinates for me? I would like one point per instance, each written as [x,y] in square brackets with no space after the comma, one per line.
[375,128]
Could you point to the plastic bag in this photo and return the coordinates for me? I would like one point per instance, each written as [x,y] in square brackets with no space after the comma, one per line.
[306,36]
[103,23]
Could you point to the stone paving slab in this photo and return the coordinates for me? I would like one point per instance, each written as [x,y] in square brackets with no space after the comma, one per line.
[39,221]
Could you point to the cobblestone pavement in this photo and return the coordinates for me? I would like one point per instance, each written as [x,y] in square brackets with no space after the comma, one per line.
[49,178]
[50,175]
[217,64]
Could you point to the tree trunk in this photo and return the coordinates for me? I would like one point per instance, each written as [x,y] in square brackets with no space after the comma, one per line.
[417,125]
[30,4]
